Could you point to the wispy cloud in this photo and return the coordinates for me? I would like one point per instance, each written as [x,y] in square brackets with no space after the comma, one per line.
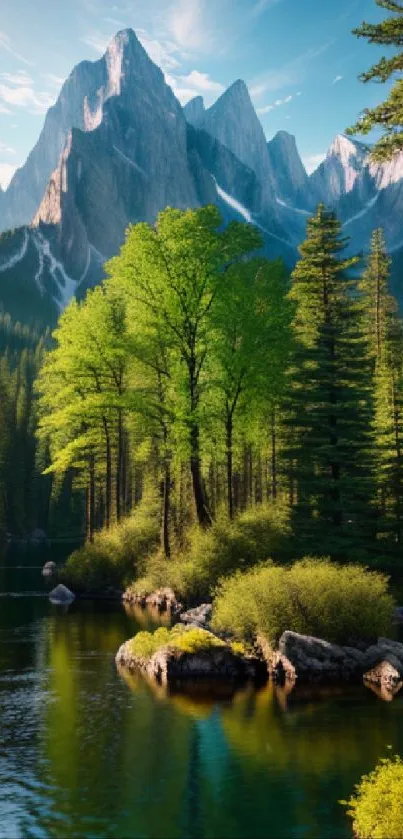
[277,104]
[6,173]
[98,41]
[187,23]
[337,79]
[52,80]
[262,6]
[4,149]
[164,52]
[17,91]
[6,44]
[291,73]
[312,161]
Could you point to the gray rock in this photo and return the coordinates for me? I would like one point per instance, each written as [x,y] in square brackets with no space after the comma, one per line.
[199,616]
[314,659]
[49,569]
[61,595]
[169,665]
[388,673]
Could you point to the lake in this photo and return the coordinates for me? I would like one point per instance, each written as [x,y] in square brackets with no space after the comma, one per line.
[85,752]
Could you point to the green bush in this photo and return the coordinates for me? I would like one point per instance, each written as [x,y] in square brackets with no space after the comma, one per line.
[339,603]
[115,555]
[212,554]
[377,806]
[145,644]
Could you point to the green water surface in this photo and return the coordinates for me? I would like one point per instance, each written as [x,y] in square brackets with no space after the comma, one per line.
[85,752]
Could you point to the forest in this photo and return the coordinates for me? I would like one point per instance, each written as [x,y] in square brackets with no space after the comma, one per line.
[201,375]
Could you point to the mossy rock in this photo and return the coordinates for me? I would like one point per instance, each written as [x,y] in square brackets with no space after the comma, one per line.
[172,655]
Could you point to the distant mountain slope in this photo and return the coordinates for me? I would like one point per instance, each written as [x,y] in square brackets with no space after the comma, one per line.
[117,148]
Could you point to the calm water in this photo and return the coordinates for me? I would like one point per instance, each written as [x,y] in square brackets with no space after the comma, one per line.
[84,753]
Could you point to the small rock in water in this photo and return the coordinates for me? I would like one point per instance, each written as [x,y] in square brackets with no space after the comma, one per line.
[49,569]
[61,595]
[199,616]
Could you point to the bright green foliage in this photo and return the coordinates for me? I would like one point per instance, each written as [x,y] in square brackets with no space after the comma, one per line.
[389,114]
[377,806]
[382,329]
[145,644]
[327,455]
[175,272]
[116,554]
[209,555]
[314,597]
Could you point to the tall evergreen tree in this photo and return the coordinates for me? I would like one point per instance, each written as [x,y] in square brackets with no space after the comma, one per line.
[389,114]
[328,451]
[383,332]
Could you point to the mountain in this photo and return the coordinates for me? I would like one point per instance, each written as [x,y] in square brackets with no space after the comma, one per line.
[233,121]
[133,155]
[117,148]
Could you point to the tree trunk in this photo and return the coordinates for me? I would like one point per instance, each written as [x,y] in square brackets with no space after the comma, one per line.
[108,486]
[118,480]
[91,501]
[199,493]
[230,495]
[166,507]
[273,456]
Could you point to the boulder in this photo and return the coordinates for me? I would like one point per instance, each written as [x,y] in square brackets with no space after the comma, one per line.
[61,595]
[163,599]
[388,673]
[199,616]
[313,659]
[49,569]
[170,665]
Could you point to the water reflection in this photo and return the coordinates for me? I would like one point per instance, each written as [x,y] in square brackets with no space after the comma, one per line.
[88,752]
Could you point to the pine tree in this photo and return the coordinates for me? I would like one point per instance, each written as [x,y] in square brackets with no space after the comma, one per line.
[389,114]
[383,332]
[328,449]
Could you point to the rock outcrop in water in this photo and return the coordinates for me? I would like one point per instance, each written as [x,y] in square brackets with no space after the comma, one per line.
[61,595]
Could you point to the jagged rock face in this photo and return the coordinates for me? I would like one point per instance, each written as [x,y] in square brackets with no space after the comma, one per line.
[194,111]
[337,174]
[291,179]
[234,122]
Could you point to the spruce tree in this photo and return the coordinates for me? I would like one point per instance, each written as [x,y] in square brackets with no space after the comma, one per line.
[389,114]
[383,332]
[328,451]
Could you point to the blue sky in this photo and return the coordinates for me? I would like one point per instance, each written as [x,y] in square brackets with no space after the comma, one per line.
[298,58]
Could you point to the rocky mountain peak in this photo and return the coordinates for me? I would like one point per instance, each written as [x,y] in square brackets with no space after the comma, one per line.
[194,111]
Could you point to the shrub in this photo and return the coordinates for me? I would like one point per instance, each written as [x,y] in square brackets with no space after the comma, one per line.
[145,644]
[212,554]
[340,603]
[115,554]
[377,806]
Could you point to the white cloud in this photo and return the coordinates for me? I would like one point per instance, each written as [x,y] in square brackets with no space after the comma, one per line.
[6,44]
[337,79]
[266,108]
[6,173]
[312,161]
[4,149]
[194,84]
[24,96]
[4,110]
[20,78]
[187,25]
